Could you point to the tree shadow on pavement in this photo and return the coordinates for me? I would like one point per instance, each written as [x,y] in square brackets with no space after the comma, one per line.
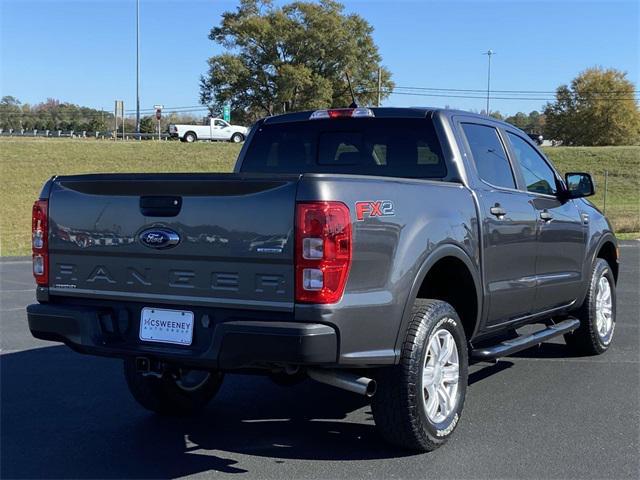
[70,416]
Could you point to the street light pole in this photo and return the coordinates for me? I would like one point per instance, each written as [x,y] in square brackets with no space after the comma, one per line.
[138,68]
[489,53]
[379,85]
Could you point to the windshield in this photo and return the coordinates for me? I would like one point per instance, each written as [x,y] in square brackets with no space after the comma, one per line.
[386,147]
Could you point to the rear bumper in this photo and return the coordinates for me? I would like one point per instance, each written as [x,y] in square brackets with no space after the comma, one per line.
[228,345]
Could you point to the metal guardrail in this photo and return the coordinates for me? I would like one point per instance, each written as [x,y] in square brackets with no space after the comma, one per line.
[106,135]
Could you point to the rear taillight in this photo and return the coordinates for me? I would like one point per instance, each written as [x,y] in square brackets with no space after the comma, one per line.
[40,241]
[323,251]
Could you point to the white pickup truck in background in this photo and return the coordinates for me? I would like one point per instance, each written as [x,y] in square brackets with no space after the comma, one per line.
[212,129]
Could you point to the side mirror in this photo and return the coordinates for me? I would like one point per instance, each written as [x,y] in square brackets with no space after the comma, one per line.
[579,185]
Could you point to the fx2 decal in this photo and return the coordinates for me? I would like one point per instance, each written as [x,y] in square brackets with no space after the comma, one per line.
[374,208]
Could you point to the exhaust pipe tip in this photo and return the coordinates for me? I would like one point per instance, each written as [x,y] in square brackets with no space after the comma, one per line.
[345,380]
[372,388]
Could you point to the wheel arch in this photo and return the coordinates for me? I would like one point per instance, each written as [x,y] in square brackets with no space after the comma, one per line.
[460,271]
[607,249]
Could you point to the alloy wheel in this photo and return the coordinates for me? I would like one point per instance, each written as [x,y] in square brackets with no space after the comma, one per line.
[440,376]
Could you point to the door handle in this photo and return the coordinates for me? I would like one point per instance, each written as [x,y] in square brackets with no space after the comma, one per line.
[585,218]
[546,216]
[498,211]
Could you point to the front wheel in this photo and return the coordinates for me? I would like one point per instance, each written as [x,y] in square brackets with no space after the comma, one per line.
[176,393]
[597,314]
[419,401]
[237,138]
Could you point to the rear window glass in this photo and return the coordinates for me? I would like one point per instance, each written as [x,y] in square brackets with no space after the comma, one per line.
[385,147]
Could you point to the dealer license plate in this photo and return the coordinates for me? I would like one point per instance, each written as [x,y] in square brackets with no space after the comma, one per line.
[166,326]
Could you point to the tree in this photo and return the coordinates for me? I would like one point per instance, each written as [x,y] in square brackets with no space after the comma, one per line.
[52,115]
[10,112]
[531,123]
[520,120]
[537,122]
[148,124]
[290,58]
[598,108]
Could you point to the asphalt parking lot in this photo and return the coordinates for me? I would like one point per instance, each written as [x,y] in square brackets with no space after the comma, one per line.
[540,414]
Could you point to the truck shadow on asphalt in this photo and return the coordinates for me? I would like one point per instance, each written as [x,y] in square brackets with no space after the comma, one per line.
[548,350]
[65,415]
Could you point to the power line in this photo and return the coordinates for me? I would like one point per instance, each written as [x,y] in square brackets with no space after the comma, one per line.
[475,94]
[420,94]
[445,95]
[510,91]
[191,107]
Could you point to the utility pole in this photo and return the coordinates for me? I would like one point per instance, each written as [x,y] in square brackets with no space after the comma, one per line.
[119,112]
[138,68]
[379,85]
[489,54]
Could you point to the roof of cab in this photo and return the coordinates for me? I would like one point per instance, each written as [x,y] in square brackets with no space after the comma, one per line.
[379,112]
[384,112]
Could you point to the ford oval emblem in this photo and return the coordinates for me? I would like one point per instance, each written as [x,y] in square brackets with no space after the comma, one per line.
[159,238]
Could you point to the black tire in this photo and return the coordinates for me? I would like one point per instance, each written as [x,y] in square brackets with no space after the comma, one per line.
[587,340]
[237,138]
[399,406]
[165,395]
[190,137]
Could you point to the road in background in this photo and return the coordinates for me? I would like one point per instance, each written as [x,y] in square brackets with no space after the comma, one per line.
[540,414]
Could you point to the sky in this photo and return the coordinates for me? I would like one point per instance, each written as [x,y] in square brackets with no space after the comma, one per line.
[83,51]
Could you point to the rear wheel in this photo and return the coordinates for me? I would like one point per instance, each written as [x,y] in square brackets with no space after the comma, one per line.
[419,402]
[179,392]
[597,314]
[190,137]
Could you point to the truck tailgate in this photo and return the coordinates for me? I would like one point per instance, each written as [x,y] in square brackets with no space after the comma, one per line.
[205,239]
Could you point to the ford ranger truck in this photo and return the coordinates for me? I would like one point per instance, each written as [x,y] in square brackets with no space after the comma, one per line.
[376,250]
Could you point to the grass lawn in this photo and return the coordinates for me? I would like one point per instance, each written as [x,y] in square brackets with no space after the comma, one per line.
[25,164]
[623,181]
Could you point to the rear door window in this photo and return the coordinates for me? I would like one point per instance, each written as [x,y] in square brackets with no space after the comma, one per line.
[387,147]
[489,155]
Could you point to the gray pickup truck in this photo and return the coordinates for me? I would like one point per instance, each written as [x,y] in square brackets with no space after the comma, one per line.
[376,250]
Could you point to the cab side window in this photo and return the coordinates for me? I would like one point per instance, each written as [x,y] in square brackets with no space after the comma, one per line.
[538,176]
[489,155]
